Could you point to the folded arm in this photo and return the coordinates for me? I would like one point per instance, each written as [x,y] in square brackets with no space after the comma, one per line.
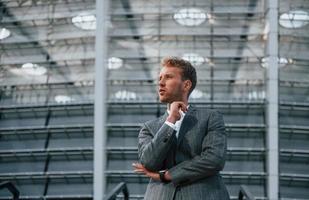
[212,158]
[153,148]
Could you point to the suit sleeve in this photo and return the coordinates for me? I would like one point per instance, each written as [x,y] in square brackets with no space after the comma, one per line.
[153,148]
[212,158]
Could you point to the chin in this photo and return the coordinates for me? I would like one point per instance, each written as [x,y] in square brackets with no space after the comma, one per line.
[163,100]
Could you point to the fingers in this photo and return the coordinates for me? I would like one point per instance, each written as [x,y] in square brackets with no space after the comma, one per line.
[179,105]
[176,111]
[183,106]
[139,168]
[139,171]
[137,165]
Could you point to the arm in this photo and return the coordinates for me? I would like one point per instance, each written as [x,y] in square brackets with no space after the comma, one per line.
[211,160]
[152,150]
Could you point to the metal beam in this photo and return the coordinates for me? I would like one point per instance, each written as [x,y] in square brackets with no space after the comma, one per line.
[272,102]
[100,110]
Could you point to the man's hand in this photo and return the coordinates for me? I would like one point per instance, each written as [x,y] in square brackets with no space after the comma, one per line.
[174,108]
[140,169]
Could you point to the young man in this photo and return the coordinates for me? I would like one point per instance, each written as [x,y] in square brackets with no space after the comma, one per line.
[184,150]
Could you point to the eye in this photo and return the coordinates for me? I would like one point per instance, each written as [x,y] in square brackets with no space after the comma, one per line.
[169,76]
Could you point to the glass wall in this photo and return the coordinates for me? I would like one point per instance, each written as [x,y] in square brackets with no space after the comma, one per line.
[47,59]
[294,99]
[225,41]
[46,97]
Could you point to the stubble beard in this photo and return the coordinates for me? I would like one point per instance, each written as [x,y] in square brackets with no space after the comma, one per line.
[170,99]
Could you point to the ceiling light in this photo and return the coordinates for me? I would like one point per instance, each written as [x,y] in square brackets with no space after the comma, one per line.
[190,16]
[281,61]
[4,33]
[125,95]
[85,21]
[254,95]
[33,69]
[63,99]
[193,58]
[294,19]
[115,63]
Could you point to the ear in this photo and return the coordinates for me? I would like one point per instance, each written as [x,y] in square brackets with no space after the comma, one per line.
[188,85]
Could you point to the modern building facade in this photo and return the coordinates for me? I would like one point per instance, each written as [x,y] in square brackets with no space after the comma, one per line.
[77,82]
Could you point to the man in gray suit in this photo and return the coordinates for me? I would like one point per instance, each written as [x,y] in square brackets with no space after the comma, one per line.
[184,150]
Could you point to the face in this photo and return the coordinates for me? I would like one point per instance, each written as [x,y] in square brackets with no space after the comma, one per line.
[171,86]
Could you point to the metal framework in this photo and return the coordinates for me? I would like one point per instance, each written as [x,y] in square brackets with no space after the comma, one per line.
[51,139]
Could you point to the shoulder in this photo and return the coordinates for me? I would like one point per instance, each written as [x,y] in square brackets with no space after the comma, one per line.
[207,111]
[207,114]
[154,123]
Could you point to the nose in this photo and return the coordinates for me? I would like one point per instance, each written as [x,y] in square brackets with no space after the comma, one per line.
[161,82]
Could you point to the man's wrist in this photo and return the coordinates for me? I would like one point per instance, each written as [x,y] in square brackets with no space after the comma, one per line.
[173,126]
[171,119]
[162,175]
[167,176]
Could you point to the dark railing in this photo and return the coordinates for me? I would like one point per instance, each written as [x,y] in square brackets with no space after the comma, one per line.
[11,187]
[121,187]
[245,192]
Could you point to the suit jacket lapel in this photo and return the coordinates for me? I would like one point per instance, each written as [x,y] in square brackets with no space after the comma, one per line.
[188,122]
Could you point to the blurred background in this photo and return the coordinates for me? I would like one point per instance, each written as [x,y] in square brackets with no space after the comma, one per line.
[252,59]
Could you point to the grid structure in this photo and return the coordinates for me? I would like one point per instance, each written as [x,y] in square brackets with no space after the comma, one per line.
[293,111]
[47,77]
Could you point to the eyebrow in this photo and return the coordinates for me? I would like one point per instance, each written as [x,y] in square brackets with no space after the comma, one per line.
[169,73]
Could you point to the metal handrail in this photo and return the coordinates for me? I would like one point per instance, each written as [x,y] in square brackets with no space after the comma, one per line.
[11,187]
[121,187]
[245,192]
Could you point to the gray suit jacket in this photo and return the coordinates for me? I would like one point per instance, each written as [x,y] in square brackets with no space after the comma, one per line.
[194,159]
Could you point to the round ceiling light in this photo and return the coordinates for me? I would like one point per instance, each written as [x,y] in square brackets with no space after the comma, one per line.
[190,16]
[194,58]
[115,63]
[4,33]
[281,61]
[254,95]
[125,95]
[294,19]
[85,21]
[63,99]
[33,69]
